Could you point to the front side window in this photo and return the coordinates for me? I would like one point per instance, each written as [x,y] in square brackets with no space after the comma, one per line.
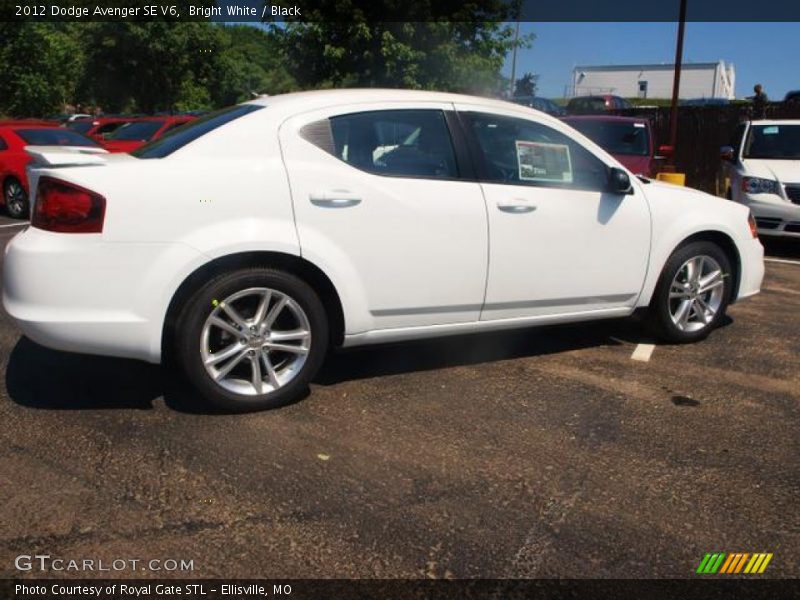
[522,152]
[3,145]
[405,143]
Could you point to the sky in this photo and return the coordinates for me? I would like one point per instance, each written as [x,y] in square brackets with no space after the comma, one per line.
[765,53]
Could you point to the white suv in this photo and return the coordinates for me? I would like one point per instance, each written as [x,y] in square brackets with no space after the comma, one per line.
[249,242]
[762,167]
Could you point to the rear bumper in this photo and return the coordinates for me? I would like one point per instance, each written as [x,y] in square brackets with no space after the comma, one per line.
[77,293]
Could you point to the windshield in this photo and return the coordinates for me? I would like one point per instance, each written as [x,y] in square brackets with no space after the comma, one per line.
[138,131]
[54,137]
[616,137]
[773,141]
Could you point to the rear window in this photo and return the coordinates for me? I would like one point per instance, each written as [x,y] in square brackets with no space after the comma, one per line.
[54,137]
[80,126]
[137,131]
[178,138]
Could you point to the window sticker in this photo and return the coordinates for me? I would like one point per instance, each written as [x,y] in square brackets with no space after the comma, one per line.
[639,125]
[539,161]
[770,130]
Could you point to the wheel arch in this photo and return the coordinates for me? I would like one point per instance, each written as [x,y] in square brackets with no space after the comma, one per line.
[725,243]
[295,265]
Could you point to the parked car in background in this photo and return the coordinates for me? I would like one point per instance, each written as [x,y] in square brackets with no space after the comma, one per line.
[792,97]
[98,128]
[762,166]
[543,104]
[14,159]
[249,242]
[585,105]
[138,132]
[628,139]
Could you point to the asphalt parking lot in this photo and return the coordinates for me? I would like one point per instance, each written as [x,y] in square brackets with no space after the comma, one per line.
[540,453]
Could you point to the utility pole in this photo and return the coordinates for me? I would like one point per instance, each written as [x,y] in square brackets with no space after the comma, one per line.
[513,81]
[676,84]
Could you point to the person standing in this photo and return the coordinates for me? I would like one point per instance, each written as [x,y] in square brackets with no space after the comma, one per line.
[759,102]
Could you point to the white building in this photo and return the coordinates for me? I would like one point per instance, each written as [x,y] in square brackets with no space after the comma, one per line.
[698,80]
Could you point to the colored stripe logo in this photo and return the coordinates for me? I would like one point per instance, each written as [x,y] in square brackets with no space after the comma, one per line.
[733,563]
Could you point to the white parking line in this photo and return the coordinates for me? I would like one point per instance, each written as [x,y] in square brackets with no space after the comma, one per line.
[643,352]
[23,224]
[783,261]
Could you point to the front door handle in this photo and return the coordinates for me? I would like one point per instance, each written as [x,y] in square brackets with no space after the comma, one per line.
[334,198]
[517,205]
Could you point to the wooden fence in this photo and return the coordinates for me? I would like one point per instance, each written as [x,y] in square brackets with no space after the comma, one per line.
[702,130]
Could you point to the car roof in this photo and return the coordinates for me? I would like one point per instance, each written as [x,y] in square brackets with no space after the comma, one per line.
[615,118]
[311,100]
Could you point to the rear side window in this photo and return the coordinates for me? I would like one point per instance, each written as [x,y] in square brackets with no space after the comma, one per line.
[54,137]
[189,132]
[3,145]
[400,143]
[80,126]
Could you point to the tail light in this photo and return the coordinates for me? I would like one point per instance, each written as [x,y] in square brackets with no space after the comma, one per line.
[67,208]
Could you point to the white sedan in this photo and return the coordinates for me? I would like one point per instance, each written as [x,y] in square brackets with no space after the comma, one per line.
[249,242]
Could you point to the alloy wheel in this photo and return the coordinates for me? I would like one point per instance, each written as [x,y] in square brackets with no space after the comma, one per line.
[696,293]
[255,341]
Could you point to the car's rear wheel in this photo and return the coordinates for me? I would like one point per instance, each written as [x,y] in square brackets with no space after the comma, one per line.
[252,339]
[16,198]
[692,294]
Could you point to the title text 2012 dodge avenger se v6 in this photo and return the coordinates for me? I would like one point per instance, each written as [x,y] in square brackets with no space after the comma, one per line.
[248,243]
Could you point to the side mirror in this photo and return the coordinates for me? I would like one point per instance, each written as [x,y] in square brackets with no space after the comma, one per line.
[619,182]
[727,153]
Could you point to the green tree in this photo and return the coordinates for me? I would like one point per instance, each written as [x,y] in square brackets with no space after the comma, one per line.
[526,85]
[373,47]
[42,64]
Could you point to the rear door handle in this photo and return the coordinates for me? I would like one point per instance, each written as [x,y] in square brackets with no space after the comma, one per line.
[517,205]
[334,198]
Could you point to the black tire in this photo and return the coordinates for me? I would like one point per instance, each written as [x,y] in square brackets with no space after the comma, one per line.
[204,302]
[660,316]
[15,198]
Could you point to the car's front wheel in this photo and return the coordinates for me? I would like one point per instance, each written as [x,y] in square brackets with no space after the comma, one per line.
[252,339]
[16,198]
[692,293]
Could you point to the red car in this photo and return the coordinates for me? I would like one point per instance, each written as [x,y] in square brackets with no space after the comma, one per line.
[98,127]
[138,132]
[14,136]
[583,105]
[628,139]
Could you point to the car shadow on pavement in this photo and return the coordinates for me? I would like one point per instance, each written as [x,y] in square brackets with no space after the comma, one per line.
[425,355]
[38,377]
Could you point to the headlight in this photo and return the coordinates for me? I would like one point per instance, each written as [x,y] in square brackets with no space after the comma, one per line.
[756,185]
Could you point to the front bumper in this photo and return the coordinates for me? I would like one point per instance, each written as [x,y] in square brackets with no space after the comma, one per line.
[752,269]
[774,215]
[77,293]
